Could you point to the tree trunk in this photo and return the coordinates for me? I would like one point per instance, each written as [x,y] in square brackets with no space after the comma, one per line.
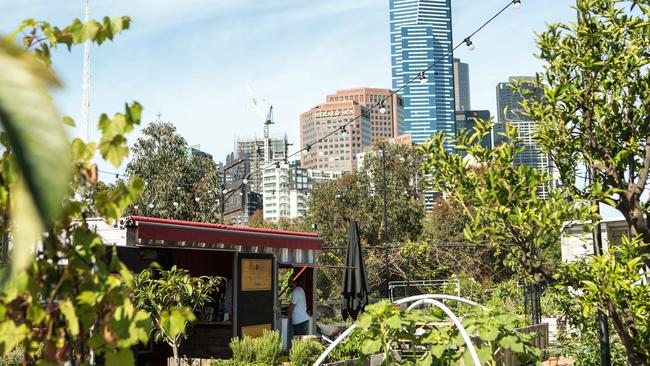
[175,352]
[634,358]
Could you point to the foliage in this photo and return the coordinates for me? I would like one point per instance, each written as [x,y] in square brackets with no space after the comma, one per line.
[349,348]
[170,298]
[501,198]
[305,352]
[263,350]
[612,283]
[359,196]
[596,110]
[257,220]
[75,283]
[13,358]
[444,223]
[424,341]
[179,186]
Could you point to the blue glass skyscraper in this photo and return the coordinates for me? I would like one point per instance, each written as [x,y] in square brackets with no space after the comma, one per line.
[420,33]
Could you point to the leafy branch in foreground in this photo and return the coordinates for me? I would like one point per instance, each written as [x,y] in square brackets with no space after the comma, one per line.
[65,295]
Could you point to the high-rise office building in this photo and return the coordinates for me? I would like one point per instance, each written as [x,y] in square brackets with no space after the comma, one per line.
[461,86]
[420,34]
[338,151]
[384,123]
[510,112]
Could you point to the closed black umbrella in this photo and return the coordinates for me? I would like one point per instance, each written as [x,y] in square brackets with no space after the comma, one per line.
[355,282]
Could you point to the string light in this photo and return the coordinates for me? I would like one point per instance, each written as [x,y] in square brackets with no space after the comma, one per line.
[344,131]
[470,44]
[423,77]
[420,77]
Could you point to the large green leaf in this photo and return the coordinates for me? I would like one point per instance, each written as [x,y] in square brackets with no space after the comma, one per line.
[34,128]
[36,135]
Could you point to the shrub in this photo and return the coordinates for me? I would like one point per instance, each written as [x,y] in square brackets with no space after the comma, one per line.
[264,350]
[305,352]
[267,348]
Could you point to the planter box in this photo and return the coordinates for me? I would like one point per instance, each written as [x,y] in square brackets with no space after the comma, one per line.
[190,362]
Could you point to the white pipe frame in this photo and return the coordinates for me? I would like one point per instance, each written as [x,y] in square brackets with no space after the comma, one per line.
[431,299]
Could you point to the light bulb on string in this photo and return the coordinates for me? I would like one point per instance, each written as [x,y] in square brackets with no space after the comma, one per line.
[517,4]
[423,77]
[382,108]
[151,205]
[470,44]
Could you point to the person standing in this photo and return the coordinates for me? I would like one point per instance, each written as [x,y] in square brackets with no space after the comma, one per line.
[298,308]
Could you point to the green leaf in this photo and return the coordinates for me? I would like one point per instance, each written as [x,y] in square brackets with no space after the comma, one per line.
[67,308]
[34,128]
[394,322]
[122,357]
[11,335]
[68,121]
[114,150]
[370,346]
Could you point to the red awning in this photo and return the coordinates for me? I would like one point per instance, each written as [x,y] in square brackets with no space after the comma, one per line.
[151,229]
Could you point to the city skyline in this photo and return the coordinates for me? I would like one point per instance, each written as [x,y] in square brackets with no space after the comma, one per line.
[204,95]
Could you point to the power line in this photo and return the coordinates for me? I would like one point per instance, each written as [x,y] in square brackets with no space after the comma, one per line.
[421,76]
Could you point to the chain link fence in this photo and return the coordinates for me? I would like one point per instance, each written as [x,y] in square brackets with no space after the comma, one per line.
[398,270]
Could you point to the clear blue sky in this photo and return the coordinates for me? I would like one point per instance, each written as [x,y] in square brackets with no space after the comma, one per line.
[189,59]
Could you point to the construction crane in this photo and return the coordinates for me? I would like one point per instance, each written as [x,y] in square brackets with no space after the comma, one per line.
[265,113]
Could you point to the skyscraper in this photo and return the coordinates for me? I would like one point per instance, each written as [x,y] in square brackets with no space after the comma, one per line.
[461,86]
[420,34]
[510,112]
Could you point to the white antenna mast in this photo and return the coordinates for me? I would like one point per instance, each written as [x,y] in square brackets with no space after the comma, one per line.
[85,97]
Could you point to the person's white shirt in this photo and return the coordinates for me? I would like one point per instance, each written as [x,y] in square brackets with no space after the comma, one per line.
[299,301]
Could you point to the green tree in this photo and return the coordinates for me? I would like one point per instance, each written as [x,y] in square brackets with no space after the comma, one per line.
[171,297]
[63,281]
[178,185]
[596,113]
[501,198]
[596,106]
[611,283]
[359,196]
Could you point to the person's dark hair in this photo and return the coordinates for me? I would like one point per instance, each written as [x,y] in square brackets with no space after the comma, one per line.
[300,281]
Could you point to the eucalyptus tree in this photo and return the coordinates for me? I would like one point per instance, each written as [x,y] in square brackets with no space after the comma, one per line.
[178,185]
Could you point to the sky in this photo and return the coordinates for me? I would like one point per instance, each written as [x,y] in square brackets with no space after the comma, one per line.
[189,60]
